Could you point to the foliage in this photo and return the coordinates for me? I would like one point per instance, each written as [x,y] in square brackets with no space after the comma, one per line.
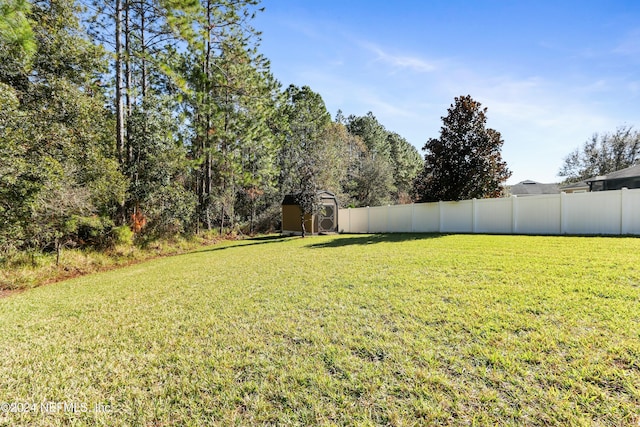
[54,219]
[159,169]
[305,119]
[602,154]
[17,186]
[374,182]
[17,42]
[170,211]
[226,83]
[121,235]
[372,133]
[385,169]
[21,270]
[402,330]
[163,115]
[269,219]
[333,153]
[257,179]
[63,215]
[55,142]
[15,29]
[465,162]
[301,157]
[406,163]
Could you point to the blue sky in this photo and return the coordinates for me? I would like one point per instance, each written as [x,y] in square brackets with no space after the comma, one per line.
[551,73]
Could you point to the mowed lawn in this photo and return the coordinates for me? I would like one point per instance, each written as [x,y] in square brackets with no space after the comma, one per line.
[336,330]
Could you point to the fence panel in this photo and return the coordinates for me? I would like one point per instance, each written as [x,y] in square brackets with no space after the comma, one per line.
[457,217]
[357,222]
[592,213]
[630,211]
[537,214]
[400,218]
[379,219]
[607,212]
[426,217]
[344,220]
[493,216]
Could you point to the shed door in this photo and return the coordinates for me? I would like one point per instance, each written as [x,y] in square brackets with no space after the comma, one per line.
[327,219]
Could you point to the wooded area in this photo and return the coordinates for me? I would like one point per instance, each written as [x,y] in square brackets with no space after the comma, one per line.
[162,116]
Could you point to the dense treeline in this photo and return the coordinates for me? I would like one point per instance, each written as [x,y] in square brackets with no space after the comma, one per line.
[162,116]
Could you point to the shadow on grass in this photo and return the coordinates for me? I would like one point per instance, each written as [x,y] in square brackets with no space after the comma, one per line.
[251,242]
[370,239]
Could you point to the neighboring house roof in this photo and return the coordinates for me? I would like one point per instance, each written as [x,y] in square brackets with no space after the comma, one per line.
[575,185]
[530,188]
[624,178]
[629,172]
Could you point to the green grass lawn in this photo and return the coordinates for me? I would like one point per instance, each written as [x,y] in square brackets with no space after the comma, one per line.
[336,330]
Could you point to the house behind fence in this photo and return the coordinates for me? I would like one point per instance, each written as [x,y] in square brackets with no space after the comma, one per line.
[594,213]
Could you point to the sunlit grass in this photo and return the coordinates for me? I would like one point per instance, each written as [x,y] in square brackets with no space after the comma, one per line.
[346,330]
[24,270]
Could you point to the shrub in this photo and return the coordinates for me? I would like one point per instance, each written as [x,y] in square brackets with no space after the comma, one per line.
[269,220]
[169,212]
[122,235]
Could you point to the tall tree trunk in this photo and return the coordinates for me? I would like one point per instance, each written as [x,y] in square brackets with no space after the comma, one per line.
[253,215]
[143,47]
[127,83]
[120,139]
[118,77]
[222,220]
[208,185]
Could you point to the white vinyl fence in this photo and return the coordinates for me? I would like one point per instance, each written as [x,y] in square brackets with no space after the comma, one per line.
[604,212]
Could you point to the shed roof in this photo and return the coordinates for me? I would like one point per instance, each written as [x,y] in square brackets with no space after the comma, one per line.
[290,199]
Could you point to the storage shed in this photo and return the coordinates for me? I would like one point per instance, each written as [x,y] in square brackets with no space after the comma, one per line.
[325,221]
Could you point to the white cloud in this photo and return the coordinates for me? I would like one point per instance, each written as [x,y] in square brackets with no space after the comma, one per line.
[541,120]
[542,114]
[388,107]
[413,63]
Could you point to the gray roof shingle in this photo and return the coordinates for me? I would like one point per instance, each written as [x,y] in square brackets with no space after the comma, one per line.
[529,187]
[622,173]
